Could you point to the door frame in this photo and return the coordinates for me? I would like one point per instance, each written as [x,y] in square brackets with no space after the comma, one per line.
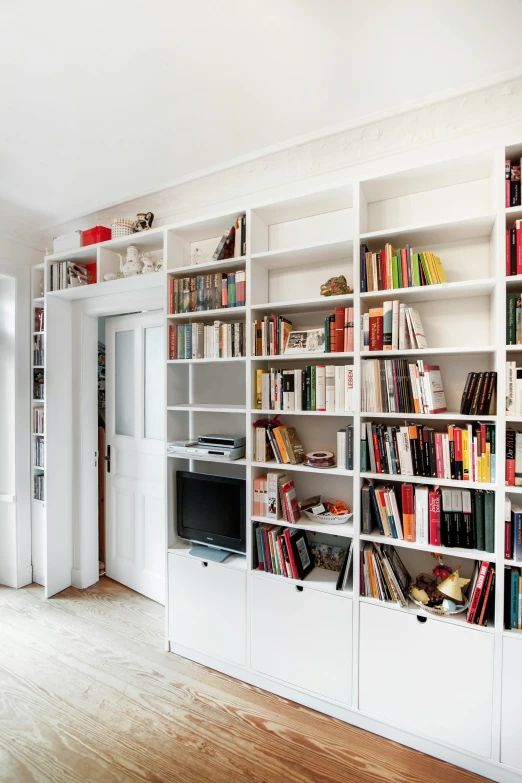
[79,517]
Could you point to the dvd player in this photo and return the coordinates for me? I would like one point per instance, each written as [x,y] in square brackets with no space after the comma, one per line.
[206,452]
[222,441]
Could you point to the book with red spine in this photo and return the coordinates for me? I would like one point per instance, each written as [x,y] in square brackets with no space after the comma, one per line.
[350,330]
[288,534]
[434,518]
[376,450]
[333,345]
[384,270]
[508,540]
[376,332]
[404,267]
[339,329]
[224,291]
[408,512]
[173,342]
[289,497]
[281,555]
[510,457]
[488,595]
[477,592]
[171,295]
[508,252]
[457,442]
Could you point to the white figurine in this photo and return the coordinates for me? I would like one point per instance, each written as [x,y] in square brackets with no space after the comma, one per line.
[132,264]
[147,264]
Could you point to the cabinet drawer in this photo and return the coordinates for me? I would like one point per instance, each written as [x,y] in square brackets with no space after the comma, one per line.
[403,677]
[207,607]
[303,637]
[510,744]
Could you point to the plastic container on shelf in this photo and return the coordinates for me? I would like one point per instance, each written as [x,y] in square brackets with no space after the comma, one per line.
[96,234]
[71,241]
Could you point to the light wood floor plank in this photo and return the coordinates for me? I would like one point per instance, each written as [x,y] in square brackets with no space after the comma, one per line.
[88,693]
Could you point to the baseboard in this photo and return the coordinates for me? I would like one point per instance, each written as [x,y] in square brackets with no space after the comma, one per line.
[81,578]
[480,766]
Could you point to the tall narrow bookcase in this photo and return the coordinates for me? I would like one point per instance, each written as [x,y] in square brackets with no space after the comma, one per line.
[37,424]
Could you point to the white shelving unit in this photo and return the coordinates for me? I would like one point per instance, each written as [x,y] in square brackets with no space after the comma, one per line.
[305,640]
[38,521]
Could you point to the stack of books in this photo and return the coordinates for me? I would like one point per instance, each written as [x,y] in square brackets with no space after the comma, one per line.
[345,448]
[68,274]
[38,486]
[207,292]
[233,242]
[394,386]
[441,517]
[513,531]
[392,327]
[479,395]
[274,441]
[38,350]
[383,575]
[513,599]
[38,421]
[322,388]
[513,183]
[390,268]
[482,592]
[270,335]
[207,341]
[339,331]
[39,453]
[283,551]
[464,453]
[514,248]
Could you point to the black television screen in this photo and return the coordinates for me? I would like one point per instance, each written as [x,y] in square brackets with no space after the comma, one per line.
[212,510]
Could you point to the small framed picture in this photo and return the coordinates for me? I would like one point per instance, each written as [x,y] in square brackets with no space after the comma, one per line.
[306,341]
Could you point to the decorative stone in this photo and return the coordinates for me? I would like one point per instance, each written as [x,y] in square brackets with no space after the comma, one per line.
[335,286]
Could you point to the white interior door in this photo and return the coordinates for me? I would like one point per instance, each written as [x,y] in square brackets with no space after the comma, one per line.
[135,509]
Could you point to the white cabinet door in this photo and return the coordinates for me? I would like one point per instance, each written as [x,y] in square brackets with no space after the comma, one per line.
[430,677]
[207,607]
[302,637]
[511,736]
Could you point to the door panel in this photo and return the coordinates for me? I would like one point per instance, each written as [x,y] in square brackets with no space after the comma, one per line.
[135,478]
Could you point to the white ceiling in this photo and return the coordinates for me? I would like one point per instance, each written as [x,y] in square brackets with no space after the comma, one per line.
[102,100]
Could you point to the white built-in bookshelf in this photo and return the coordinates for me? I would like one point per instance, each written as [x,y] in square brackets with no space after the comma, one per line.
[437,683]
[37,427]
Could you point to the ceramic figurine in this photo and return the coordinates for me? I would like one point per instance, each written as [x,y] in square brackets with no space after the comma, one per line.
[452,586]
[143,221]
[132,264]
[147,264]
[158,264]
[335,286]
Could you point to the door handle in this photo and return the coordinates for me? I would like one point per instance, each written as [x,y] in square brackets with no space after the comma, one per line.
[107,459]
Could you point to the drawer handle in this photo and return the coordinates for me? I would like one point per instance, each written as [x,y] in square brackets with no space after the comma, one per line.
[421,619]
[204,563]
[299,588]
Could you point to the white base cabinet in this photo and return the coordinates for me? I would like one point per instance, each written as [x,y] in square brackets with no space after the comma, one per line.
[401,661]
[302,637]
[511,735]
[207,607]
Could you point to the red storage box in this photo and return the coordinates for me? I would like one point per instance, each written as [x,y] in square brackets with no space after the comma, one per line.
[96,234]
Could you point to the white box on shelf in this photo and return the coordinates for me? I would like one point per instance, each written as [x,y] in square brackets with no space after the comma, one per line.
[65,242]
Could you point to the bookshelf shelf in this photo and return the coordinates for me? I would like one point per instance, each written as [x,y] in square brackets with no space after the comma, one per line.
[458,619]
[120,286]
[471,554]
[516,563]
[384,477]
[470,349]
[513,348]
[434,233]
[226,313]
[208,408]
[303,255]
[234,560]
[514,490]
[197,458]
[302,468]
[463,289]
[318,579]
[315,304]
[222,360]
[211,266]
[38,300]
[427,416]
[259,411]
[318,358]
[345,530]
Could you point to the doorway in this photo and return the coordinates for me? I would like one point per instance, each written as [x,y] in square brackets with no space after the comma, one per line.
[131,449]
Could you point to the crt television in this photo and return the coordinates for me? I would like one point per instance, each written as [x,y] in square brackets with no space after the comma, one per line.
[212,510]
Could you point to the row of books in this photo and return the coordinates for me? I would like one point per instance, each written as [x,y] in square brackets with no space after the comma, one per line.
[514,249]
[392,327]
[274,441]
[390,269]
[207,341]
[513,183]
[39,453]
[513,458]
[283,551]
[38,421]
[345,447]
[39,319]
[465,453]
[448,517]
[512,530]
[339,331]
[233,242]
[512,599]
[513,389]
[38,385]
[68,274]
[482,593]
[513,319]
[207,292]
[383,575]
[395,386]
[270,335]
[479,395]
[38,350]
[322,388]
[38,486]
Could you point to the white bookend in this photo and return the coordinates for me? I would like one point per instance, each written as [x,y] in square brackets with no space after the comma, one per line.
[418,329]
[341,449]
[403,443]
[330,388]
[348,387]
[298,385]
[395,325]
[421,514]
[511,395]
[320,387]
[339,387]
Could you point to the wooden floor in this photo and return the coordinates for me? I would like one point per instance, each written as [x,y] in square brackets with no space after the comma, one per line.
[88,693]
